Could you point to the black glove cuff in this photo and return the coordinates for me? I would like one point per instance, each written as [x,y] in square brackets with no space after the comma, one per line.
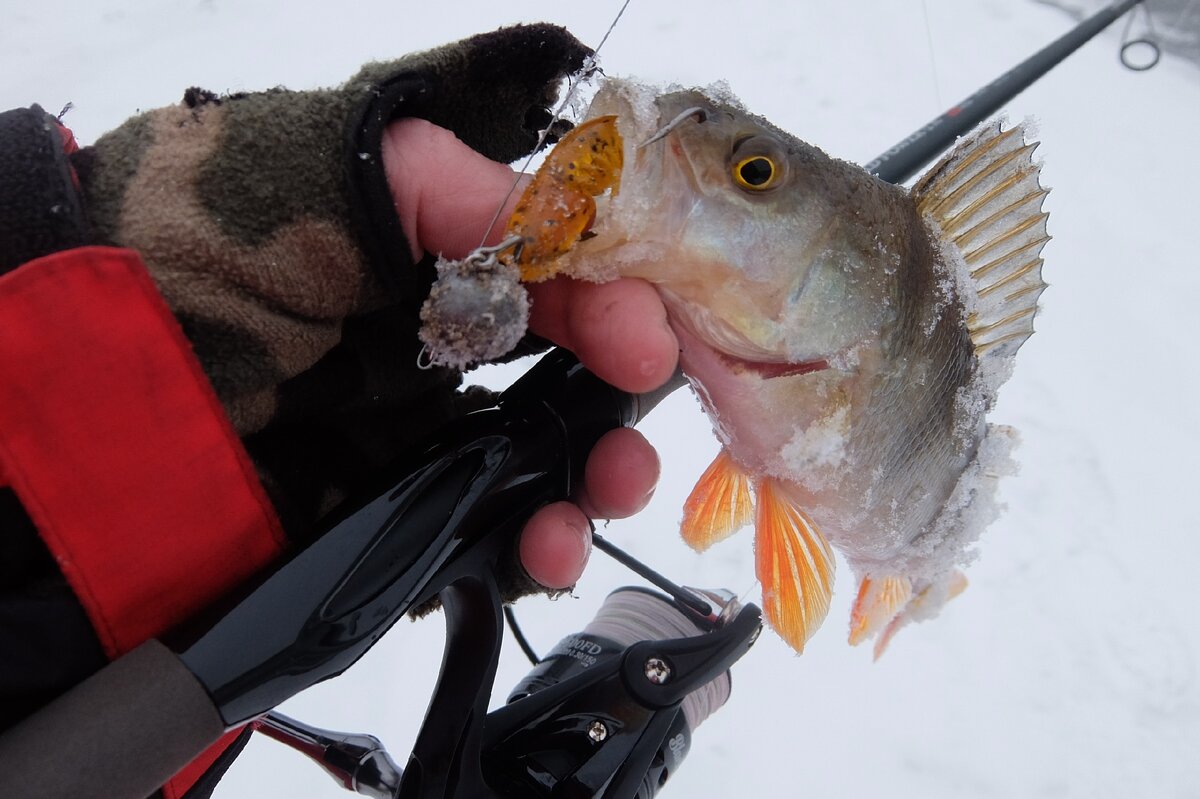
[493,91]
[40,209]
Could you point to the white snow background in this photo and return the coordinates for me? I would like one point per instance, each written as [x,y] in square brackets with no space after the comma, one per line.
[1069,667]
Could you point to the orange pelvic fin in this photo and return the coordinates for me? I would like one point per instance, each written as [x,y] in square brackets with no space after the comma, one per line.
[718,506]
[958,584]
[889,632]
[880,598]
[924,605]
[795,565]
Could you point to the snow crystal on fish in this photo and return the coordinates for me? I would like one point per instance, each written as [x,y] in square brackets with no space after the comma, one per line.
[836,330]
[971,507]
[819,448]
[846,337]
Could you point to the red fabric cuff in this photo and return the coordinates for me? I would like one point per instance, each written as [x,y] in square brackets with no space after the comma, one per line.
[119,449]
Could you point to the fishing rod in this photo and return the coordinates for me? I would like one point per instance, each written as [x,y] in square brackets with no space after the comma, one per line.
[369,770]
[608,713]
[911,154]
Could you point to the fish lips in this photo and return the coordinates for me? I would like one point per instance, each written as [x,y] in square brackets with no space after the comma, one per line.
[698,326]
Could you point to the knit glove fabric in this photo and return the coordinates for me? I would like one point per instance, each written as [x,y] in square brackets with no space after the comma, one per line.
[266,221]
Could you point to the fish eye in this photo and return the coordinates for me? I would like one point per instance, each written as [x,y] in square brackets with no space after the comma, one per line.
[755,173]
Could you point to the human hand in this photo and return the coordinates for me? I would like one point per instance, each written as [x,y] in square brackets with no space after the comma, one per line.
[445,195]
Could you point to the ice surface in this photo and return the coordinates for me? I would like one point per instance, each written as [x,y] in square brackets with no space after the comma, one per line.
[1071,666]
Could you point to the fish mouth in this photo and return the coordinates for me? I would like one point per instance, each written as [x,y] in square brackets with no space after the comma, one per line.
[736,351]
[770,371]
[664,158]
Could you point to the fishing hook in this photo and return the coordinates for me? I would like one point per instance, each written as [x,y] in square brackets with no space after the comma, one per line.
[696,111]
[486,256]
[590,67]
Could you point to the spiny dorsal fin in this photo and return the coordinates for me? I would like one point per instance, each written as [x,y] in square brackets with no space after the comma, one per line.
[718,506]
[986,199]
[795,565]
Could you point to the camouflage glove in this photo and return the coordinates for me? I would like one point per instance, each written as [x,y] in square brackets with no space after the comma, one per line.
[268,225]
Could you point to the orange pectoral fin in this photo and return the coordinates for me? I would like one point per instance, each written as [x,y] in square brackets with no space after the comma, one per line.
[795,565]
[879,600]
[719,505]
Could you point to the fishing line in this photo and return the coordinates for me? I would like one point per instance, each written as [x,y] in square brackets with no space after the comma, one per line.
[586,71]
[616,19]
[937,89]
[750,593]
[680,594]
[514,626]
[627,617]
[677,592]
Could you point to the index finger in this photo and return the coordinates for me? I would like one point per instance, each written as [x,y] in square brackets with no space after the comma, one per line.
[618,330]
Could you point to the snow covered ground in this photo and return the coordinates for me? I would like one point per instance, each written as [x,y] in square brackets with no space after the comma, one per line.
[1070,666]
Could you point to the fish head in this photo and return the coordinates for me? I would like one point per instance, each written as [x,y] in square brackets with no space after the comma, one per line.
[757,243]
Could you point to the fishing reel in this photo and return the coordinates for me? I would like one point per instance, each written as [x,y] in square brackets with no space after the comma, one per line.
[609,712]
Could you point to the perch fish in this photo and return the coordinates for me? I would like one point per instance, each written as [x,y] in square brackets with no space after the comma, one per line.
[845,336]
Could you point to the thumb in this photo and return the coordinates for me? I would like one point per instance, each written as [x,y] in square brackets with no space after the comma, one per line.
[446,194]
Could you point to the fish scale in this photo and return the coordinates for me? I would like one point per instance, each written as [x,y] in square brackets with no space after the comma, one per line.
[912,302]
[845,336]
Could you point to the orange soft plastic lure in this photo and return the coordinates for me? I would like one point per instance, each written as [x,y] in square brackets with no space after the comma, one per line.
[557,206]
